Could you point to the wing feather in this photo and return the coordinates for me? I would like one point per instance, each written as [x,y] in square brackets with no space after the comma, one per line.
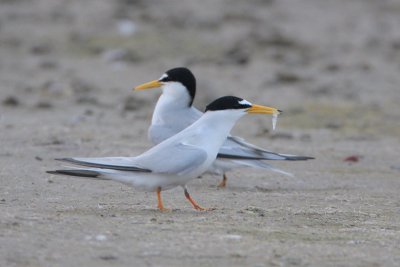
[113,163]
[177,159]
[237,148]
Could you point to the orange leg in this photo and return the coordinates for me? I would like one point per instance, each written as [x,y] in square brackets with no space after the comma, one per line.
[223,182]
[160,203]
[194,203]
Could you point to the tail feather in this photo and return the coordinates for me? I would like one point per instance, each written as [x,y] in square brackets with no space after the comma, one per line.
[104,164]
[264,156]
[237,148]
[294,158]
[78,173]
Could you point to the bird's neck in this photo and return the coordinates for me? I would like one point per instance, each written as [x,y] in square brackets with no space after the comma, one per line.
[167,104]
[213,128]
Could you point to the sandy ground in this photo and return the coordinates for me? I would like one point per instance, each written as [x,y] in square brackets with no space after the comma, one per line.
[66,73]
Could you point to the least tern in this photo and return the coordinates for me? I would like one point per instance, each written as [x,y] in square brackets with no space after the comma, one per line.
[176,160]
[174,112]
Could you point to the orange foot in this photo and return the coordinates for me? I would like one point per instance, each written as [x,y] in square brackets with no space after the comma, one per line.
[160,203]
[194,203]
[162,209]
[222,184]
[202,209]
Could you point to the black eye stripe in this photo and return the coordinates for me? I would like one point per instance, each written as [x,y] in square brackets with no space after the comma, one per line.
[165,79]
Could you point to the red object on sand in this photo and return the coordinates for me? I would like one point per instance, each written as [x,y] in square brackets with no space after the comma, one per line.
[353,158]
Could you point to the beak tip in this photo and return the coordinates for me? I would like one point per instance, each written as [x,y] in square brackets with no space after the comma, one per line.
[149,85]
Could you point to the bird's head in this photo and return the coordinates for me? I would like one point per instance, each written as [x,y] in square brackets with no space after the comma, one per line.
[177,82]
[234,107]
[239,105]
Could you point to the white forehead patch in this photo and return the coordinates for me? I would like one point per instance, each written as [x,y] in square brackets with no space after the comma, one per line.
[245,102]
[163,76]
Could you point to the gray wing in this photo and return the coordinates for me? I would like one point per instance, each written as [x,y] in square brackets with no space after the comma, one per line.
[237,148]
[174,159]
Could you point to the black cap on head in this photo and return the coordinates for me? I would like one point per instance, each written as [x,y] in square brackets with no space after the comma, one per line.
[228,102]
[184,76]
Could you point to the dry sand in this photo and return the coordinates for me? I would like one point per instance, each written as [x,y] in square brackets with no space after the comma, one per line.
[66,73]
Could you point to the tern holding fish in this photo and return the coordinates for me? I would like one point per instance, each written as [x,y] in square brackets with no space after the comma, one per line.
[174,112]
[176,160]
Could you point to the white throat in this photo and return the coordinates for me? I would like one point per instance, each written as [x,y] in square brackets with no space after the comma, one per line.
[174,97]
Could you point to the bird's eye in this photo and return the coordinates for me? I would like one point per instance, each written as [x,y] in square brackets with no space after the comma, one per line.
[164,79]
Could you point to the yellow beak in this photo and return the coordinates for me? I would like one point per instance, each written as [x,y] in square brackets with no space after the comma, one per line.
[258,109]
[149,85]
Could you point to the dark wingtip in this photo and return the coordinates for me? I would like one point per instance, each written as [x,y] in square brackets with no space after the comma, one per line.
[63,159]
[103,166]
[280,111]
[78,173]
[300,158]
